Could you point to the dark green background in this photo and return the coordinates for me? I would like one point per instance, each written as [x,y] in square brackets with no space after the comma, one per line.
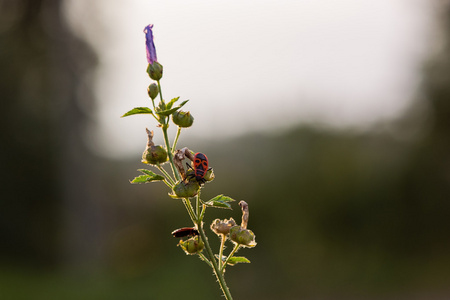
[337,214]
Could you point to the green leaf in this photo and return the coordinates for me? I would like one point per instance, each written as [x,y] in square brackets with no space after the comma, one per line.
[238,259]
[169,105]
[148,172]
[168,112]
[220,201]
[148,176]
[138,110]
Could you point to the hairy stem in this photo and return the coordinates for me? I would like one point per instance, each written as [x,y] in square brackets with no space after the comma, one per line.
[219,275]
[191,212]
[176,138]
[166,174]
[164,125]
[222,245]
[236,248]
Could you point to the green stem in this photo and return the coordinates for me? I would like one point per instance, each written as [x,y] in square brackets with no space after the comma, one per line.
[202,257]
[202,214]
[164,126]
[169,152]
[176,138]
[168,184]
[166,174]
[160,93]
[219,275]
[197,207]
[191,212]
[222,245]
[236,248]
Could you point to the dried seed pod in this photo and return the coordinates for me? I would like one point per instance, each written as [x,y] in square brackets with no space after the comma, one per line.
[222,227]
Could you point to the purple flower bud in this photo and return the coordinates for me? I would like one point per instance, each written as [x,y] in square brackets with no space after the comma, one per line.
[151,51]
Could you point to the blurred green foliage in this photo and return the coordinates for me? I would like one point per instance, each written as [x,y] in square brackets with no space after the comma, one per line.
[337,214]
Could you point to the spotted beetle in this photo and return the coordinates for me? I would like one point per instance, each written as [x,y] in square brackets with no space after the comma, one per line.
[200,167]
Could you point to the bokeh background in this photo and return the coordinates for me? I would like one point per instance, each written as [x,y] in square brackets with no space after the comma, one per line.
[330,118]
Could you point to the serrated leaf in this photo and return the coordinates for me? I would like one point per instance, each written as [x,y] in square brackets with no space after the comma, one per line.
[138,110]
[238,259]
[148,172]
[168,112]
[220,201]
[218,204]
[147,178]
[222,198]
[171,102]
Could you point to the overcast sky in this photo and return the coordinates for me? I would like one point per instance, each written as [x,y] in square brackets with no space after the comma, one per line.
[253,65]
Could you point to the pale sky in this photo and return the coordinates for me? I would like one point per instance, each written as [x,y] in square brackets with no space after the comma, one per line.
[253,66]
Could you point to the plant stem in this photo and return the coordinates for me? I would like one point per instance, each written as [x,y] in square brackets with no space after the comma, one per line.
[164,125]
[166,174]
[197,207]
[222,245]
[160,93]
[202,257]
[169,152]
[191,212]
[217,272]
[236,248]
[176,138]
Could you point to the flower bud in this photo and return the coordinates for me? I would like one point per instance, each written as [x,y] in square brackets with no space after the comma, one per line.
[192,245]
[209,175]
[153,90]
[182,118]
[186,189]
[155,71]
[154,155]
[243,237]
[222,227]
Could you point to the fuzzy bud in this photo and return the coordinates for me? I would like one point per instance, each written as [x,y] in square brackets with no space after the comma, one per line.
[186,189]
[183,119]
[243,237]
[153,154]
[155,71]
[153,90]
[209,176]
[192,245]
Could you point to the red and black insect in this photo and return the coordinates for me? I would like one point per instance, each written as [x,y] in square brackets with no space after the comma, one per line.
[200,167]
[185,231]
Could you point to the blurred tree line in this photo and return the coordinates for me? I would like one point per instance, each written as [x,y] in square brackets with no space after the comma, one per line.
[336,213]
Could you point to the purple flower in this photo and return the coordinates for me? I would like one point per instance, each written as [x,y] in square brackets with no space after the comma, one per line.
[151,51]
